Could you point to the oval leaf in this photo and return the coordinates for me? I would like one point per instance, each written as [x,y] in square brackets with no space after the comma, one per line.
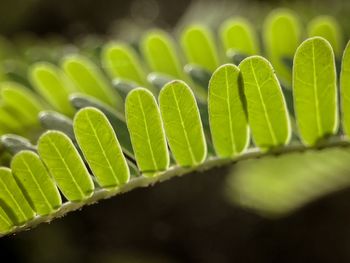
[88,79]
[267,110]
[328,28]
[12,199]
[159,52]
[65,165]
[120,61]
[199,47]
[228,123]
[53,85]
[315,90]
[100,147]
[38,185]
[182,124]
[22,101]
[238,35]
[281,35]
[146,131]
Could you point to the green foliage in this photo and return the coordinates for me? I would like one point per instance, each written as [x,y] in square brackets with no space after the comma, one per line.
[21,102]
[51,83]
[65,165]
[88,79]
[40,189]
[120,61]
[199,47]
[328,28]
[146,132]
[100,147]
[228,123]
[13,202]
[281,35]
[315,90]
[238,35]
[126,151]
[267,112]
[182,124]
[345,89]
[160,54]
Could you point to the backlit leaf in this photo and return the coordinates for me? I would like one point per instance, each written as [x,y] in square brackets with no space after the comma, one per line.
[238,35]
[199,47]
[120,61]
[328,28]
[267,110]
[89,79]
[281,35]
[146,131]
[182,123]
[159,52]
[65,165]
[315,90]
[12,199]
[100,147]
[51,83]
[228,123]
[39,187]
[345,90]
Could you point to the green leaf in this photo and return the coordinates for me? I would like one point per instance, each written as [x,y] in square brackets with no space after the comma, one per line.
[281,35]
[238,35]
[115,118]
[89,79]
[23,102]
[5,222]
[182,124]
[146,131]
[51,120]
[328,28]
[345,89]
[267,111]
[120,61]
[8,121]
[159,52]
[65,165]
[15,143]
[101,148]
[315,90]
[228,121]
[199,47]
[12,199]
[51,83]
[36,182]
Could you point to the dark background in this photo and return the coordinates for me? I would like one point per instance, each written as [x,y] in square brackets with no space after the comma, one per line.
[186,219]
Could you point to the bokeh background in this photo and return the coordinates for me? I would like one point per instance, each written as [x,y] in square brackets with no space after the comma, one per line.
[294,208]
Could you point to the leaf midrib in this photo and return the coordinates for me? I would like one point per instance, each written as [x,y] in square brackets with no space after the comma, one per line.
[66,167]
[102,148]
[147,132]
[189,147]
[267,118]
[228,102]
[36,183]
